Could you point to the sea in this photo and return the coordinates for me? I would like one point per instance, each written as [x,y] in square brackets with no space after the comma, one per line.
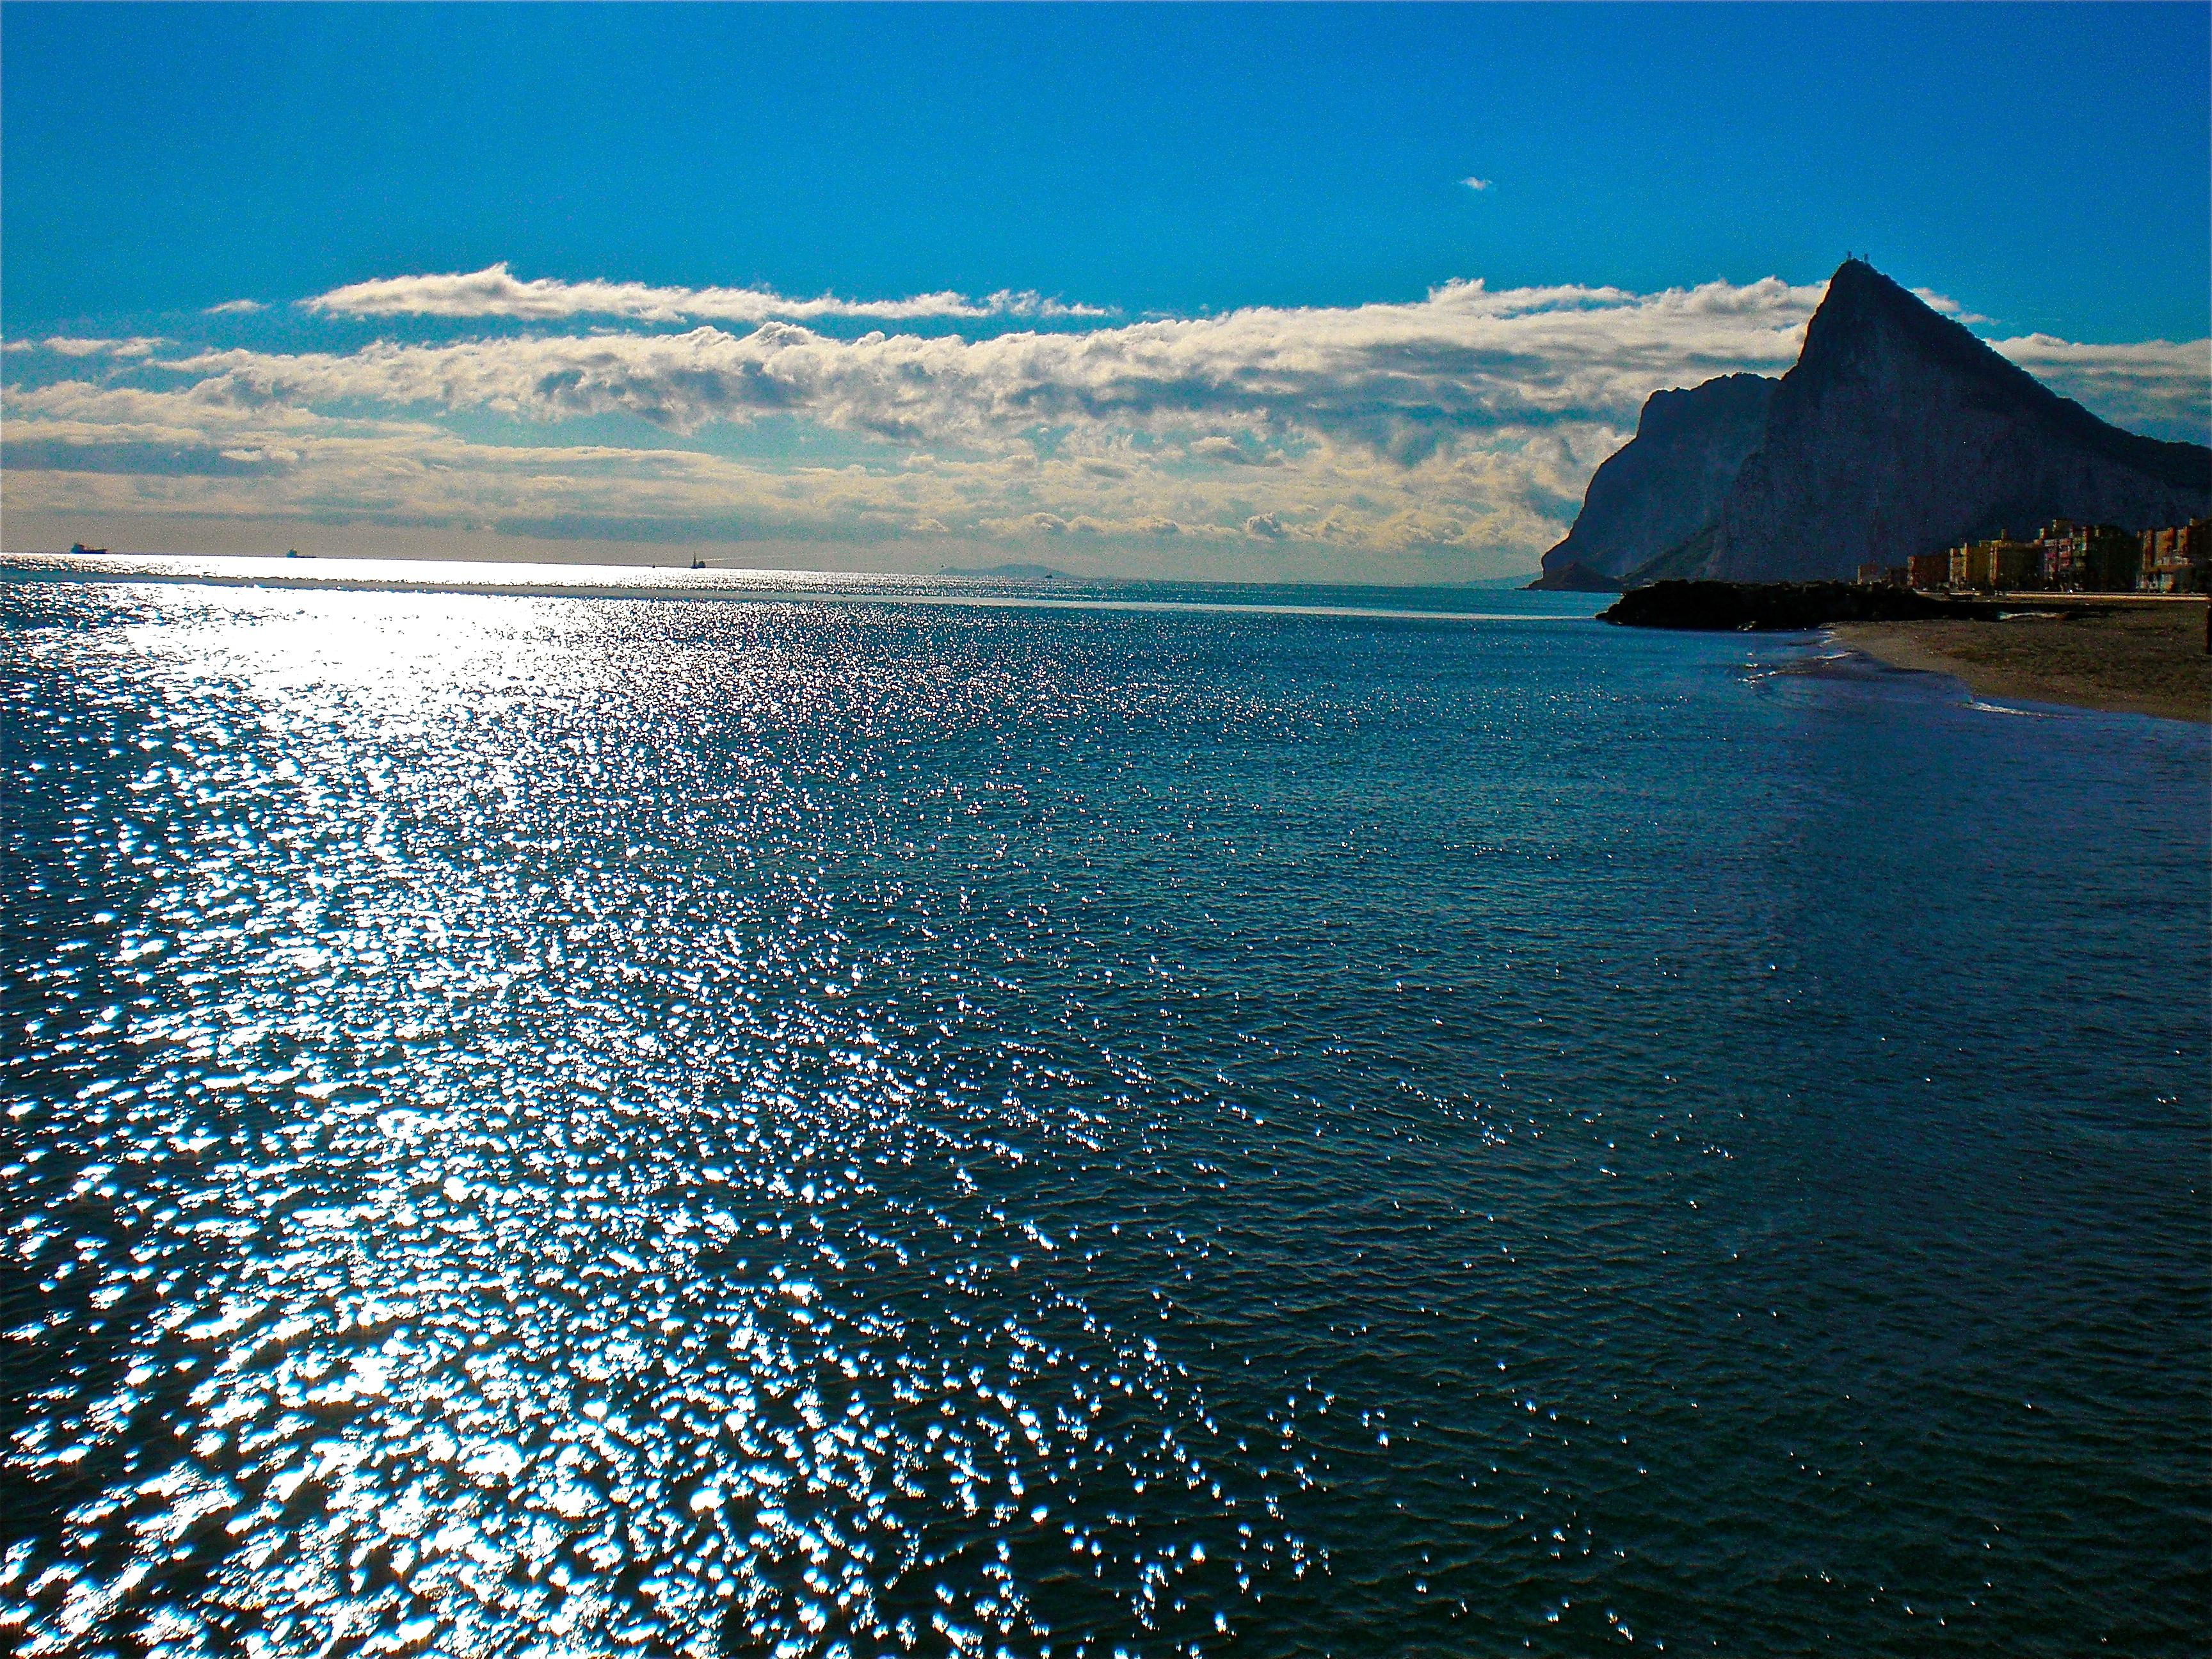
[717,1115]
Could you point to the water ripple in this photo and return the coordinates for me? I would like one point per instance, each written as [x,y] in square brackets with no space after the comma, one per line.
[551,1126]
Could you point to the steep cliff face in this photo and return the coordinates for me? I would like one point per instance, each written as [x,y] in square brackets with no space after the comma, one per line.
[1897,432]
[1666,483]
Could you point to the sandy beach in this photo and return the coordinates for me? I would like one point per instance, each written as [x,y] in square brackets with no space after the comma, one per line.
[2142,657]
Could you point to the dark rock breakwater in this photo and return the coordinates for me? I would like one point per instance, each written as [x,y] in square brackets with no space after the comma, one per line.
[1780,607]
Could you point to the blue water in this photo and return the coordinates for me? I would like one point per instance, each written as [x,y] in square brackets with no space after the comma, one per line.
[577,1125]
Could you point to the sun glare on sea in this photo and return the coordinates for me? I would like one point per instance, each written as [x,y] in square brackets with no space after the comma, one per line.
[400,655]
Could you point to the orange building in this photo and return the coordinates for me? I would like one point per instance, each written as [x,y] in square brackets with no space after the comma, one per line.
[2175,560]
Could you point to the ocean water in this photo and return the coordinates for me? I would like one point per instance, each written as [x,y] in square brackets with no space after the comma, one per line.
[556,1124]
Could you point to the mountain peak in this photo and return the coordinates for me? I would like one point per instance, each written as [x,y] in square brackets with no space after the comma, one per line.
[1897,432]
[1864,310]
[1856,273]
[1857,284]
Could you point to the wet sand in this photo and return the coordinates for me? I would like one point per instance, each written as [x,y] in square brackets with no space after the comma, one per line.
[2129,657]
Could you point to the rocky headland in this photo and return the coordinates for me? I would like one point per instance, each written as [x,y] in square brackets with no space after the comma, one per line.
[1896,433]
[1663,487]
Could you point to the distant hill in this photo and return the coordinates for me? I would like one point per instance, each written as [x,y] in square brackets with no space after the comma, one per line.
[1897,432]
[1007,572]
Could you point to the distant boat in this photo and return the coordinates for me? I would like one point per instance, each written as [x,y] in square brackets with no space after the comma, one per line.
[698,564]
[79,547]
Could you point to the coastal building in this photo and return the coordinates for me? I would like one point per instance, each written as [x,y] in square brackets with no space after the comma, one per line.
[2177,559]
[1884,575]
[2065,557]
[2089,558]
[2014,566]
[2001,561]
[1928,572]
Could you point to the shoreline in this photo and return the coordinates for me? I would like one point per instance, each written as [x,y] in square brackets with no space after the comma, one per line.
[2116,659]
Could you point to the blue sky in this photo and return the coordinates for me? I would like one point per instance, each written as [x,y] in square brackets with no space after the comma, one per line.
[2042,167]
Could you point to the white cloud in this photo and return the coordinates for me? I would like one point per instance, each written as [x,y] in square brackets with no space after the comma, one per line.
[1476,184]
[144,345]
[236,308]
[1401,378]
[2152,382]
[1948,306]
[495,291]
[78,447]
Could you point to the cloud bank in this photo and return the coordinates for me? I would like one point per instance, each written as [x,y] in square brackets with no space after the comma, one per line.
[495,291]
[1461,427]
[1402,377]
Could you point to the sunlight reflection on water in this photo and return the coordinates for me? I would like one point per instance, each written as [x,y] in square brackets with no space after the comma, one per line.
[569,1250]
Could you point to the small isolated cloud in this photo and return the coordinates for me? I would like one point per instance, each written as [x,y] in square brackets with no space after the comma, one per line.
[236,308]
[1476,184]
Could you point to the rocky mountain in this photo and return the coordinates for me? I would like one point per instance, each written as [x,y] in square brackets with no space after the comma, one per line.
[1897,432]
[1665,484]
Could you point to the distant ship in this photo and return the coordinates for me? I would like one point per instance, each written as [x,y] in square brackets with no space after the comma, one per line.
[79,547]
